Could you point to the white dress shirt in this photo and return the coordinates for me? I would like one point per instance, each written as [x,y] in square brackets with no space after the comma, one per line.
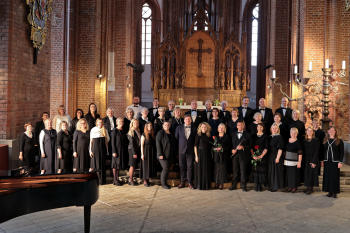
[244,111]
[137,110]
[262,111]
[112,123]
[187,131]
[193,115]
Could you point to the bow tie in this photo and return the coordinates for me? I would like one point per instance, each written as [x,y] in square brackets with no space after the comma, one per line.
[136,106]
[194,110]
[155,108]
[263,109]
[170,110]
[284,108]
[244,107]
[187,127]
[239,132]
[208,111]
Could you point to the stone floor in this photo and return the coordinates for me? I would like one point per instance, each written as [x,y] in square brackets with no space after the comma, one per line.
[141,209]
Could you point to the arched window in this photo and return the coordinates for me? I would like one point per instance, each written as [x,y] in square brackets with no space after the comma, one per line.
[146,34]
[254,51]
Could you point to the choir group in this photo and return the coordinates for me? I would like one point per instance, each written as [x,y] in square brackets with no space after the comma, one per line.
[274,150]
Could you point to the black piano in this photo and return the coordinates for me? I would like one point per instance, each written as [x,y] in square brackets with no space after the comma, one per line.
[21,195]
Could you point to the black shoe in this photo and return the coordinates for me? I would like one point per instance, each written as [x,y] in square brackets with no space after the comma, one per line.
[329,195]
[259,188]
[166,187]
[118,183]
[233,187]
[334,195]
[272,190]
[244,189]
[132,183]
[256,187]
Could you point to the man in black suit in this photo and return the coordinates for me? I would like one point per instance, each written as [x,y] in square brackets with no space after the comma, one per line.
[224,114]
[206,114]
[267,114]
[185,135]
[153,112]
[196,115]
[40,125]
[285,112]
[170,111]
[110,123]
[245,112]
[242,145]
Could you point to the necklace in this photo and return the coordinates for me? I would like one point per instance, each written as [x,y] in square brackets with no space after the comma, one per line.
[161,120]
[31,135]
[179,123]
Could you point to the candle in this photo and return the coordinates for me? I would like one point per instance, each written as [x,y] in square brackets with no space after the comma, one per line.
[310,65]
[295,69]
[327,63]
[274,74]
[343,65]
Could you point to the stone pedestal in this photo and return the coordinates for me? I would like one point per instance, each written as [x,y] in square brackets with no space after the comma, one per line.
[13,152]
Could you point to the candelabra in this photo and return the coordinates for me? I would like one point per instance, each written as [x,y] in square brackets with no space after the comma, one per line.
[321,92]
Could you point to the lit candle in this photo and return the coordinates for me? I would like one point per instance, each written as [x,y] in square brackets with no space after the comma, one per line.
[327,63]
[295,69]
[310,65]
[343,65]
[274,74]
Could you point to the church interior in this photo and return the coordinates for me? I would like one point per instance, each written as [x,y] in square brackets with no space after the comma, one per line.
[106,52]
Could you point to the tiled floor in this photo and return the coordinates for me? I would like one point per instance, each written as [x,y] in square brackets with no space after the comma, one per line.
[141,209]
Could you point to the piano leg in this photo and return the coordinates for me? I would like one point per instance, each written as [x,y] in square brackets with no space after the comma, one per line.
[87,218]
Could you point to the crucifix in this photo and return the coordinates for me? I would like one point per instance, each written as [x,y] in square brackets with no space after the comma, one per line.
[200,51]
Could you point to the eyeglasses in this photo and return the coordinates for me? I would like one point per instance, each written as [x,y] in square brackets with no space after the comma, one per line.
[83,123]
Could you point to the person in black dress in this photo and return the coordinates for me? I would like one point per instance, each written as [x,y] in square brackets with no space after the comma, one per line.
[129,115]
[27,147]
[332,162]
[261,143]
[143,119]
[64,149]
[81,141]
[292,161]
[110,123]
[275,173]
[166,151]
[92,116]
[311,153]
[284,131]
[40,125]
[148,155]
[232,122]
[98,149]
[266,114]
[47,141]
[296,123]
[221,158]
[215,121]
[203,160]
[159,121]
[252,129]
[320,134]
[117,142]
[176,120]
[78,115]
[134,137]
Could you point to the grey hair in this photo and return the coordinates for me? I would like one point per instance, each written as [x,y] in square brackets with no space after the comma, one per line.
[207,101]
[144,109]
[120,118]
[129,109]
[224,102]
[171,101]
[109,109]
[257,114]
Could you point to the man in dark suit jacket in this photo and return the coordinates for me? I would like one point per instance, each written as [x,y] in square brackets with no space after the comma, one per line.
[170,111]
[242,145]
[224,114]
[285,112]
[185,135]
[267,115]
[40,125]
[206,114]
[196,115]
[153,112]
[110,123]
[245,112]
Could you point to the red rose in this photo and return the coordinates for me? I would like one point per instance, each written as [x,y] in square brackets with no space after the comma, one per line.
[213,137]
[256,147]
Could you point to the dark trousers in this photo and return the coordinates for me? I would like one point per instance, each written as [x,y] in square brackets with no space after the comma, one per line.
[165,172]
[239,163]
[186,166]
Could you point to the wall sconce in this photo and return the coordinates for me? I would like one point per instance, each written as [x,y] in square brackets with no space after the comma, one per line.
[268,86]
[128,85]
[127,77]
[99,76]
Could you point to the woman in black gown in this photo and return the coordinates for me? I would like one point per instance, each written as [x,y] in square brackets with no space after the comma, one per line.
[27,147]
[92,116]
[64,149]
[134,137]
[320,134]
[47,141]
[202,150]
[148,155]
[275,174]
[98,147]
[118,159]
[232,123]
[78,115]
[296,123]
[221,158]
[292,161]
[143,119]
[284,131]
[311,152]
[159,121]
[333,161]
[166,151]
[129,115]
[252,129]
[81,141]
[261,143]
[215,121]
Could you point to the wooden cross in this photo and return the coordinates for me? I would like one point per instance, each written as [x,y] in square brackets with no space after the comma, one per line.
[200,51]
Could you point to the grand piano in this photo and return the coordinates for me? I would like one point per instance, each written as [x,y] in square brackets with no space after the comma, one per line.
[20,195]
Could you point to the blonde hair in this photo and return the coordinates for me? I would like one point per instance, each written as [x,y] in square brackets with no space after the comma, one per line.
[313,133]
[63,122]
[278,127]
[103,127]
[131,131]
[316,120]
[86,124]
[47,120]
[257,114]
[222,124]
[294,129]
[199,130]
[297,111]
[61,106]
[161,109]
